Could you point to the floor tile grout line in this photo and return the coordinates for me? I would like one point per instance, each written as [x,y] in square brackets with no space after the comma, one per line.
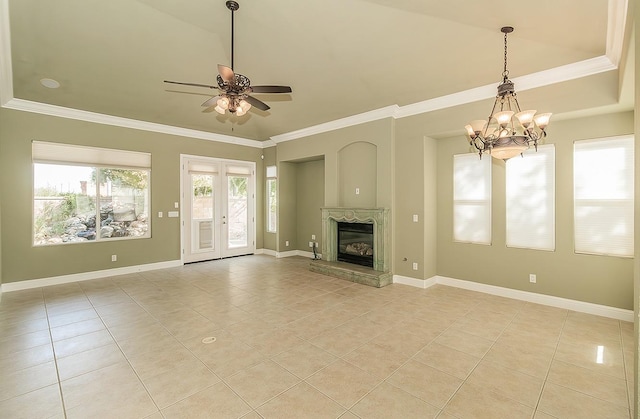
[222,380]
[494,342]
[282,326]
[481,359]
[385,380]
[120,348]
[582,367]
[553,357]
[624,363]
[55,359]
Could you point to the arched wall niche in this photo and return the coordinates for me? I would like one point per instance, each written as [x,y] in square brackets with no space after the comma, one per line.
[357,175]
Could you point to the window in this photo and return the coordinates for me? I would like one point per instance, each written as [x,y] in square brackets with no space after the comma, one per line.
[83,194]
[603,196]
[271,199]
[530,196]
[472,199]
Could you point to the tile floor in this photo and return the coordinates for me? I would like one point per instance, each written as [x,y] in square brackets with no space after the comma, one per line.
[290,343]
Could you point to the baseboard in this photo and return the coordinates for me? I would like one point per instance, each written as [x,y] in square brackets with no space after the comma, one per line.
[85,276]
[531,297]
[414,282]
[291,253]
[268,252]
[309,255]
[287,254]
[547,300]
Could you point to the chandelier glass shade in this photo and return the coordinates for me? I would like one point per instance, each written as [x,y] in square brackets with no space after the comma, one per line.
[508,131]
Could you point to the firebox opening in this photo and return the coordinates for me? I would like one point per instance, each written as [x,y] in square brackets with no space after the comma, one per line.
[355,243]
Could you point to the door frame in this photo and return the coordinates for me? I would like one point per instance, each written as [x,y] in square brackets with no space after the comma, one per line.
[219,161]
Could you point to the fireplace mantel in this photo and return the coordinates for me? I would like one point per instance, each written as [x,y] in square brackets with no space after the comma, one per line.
[379,217]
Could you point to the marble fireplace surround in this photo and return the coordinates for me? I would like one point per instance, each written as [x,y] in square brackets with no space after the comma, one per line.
[378,276]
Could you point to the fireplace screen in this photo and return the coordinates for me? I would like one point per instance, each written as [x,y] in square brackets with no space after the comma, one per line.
[355,243]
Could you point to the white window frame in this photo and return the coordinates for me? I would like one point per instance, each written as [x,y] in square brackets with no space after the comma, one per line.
[471,189]
[612,196]
[94,158]
[272,177]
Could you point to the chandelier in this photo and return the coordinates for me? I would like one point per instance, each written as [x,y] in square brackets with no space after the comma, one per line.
[508,131]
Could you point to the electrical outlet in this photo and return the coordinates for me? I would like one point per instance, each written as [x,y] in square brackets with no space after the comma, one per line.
[415,266]
[114,258]
[532,278]
[415,218]
[310,244]
[160,214]
[176,205]
[313,237]
[286,243]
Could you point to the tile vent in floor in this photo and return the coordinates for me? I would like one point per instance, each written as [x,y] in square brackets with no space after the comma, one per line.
[209,339]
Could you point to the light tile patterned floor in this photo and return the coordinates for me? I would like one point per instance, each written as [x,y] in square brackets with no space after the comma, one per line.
[294,344]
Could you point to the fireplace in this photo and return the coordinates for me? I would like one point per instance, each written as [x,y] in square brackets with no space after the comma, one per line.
[372,230]
[355,243]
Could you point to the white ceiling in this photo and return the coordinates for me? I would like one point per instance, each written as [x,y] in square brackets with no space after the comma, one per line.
[346,61]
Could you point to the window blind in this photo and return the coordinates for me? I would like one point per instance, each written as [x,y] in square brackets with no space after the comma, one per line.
[272,171]
[45,152]
[471,199]
[530,199]
[603,188]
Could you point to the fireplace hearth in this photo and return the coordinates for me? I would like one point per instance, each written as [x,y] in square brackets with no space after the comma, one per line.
[369,244]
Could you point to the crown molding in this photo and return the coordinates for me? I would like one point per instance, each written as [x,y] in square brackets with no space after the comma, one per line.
[617,11]
[6,72]
[374,115]
[531,81]
[62,112]
[616,26]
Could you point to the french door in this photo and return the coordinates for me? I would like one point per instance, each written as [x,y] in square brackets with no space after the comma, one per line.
[218,202]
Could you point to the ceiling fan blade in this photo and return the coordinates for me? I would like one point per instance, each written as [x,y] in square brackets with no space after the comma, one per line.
[271,89]
[226,73]
[258,103]
[211,101]
[191,84]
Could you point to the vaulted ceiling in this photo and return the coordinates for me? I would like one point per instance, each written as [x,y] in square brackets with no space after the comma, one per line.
[346,61]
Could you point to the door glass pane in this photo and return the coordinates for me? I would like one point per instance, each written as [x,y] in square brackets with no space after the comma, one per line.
[238,211]
[202,211]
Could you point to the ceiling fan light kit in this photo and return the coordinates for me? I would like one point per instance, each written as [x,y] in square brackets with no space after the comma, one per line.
[235,89]
[508,131]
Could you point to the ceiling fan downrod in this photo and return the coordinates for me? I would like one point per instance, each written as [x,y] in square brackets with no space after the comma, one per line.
[233,6]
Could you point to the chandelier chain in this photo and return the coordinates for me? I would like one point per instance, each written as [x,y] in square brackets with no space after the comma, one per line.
[505,72]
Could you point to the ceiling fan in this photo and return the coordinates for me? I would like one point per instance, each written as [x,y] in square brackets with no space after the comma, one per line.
[235,89]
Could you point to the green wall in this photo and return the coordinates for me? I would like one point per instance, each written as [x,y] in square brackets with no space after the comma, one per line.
[357,174]
[414,194]
[22,261]
[413,175]
[309,200]
[287,207]
[562,273]
[328,144]
[334,148]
